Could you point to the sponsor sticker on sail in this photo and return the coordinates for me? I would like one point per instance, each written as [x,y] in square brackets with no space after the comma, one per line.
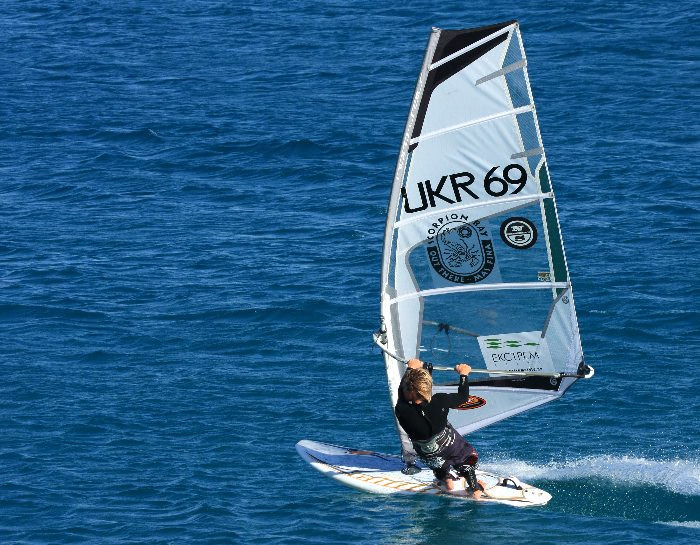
[524,352]
[460,251]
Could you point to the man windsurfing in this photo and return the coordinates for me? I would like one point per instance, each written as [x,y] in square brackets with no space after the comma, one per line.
[423,416]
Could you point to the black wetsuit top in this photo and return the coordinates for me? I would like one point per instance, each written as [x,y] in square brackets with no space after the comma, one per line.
[423,421]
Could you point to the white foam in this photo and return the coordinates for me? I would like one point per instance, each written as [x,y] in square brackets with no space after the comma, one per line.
[679,476]
[687,524]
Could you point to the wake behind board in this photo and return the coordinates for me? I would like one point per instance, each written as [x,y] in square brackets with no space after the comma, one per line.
[381,474]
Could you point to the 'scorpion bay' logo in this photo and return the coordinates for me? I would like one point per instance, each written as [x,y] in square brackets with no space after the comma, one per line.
[460,251]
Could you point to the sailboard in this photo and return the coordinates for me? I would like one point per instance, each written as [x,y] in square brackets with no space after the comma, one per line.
[382,474]
[473,266]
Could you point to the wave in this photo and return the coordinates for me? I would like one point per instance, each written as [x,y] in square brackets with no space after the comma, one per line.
[687,524]
[17,310]
[678,476]
[128,135]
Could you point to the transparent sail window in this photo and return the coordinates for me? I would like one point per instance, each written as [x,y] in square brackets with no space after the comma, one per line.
[506,248]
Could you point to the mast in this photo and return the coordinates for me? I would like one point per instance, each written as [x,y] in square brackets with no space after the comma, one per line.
[394,368]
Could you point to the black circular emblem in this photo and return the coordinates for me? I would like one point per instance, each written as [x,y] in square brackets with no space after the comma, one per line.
[519,233]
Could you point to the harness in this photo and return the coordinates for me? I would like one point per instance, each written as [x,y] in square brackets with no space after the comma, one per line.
[430,449]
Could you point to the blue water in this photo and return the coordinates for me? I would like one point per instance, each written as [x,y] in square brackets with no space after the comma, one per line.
[192,204]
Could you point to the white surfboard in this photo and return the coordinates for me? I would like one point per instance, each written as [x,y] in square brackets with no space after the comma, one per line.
[381,474]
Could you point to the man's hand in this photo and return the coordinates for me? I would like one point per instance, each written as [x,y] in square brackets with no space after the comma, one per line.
[415,364]
[463,368]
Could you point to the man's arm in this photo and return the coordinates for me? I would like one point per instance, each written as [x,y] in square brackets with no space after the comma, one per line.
[463,369]
[452,400]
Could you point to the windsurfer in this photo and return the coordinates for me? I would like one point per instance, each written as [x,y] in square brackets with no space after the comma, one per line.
[423,416]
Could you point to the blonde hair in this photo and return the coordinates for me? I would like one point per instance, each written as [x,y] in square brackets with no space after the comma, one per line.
[419,381]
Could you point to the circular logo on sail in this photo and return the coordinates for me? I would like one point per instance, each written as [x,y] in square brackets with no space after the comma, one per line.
[461,252]
[474,402]
[519,233]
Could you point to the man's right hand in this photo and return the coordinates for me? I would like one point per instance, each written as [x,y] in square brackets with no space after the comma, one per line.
[463,368]
[414,364]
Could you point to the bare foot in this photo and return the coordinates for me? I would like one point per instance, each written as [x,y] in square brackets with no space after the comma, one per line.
[478,493]
[453,487]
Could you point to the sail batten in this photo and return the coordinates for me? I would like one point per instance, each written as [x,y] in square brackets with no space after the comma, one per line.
[471,123]
[471,47]
[502,72]
[528,153]
[472,240]
[482,287]
[526,199]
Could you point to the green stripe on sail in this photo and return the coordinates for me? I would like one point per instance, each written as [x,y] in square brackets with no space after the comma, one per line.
[545,186]
[555,245]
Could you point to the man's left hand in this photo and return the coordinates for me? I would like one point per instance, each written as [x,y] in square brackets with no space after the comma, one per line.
[463,368]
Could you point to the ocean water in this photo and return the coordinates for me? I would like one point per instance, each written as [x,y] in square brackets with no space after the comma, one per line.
[192,206]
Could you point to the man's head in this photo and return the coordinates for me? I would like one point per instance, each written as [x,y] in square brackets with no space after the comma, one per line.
[417,385]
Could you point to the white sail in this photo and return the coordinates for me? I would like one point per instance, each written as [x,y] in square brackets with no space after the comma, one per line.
[474,267]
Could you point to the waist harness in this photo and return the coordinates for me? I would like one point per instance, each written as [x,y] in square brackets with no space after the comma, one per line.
[432,446]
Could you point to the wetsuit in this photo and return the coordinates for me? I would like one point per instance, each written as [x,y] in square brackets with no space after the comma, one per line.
[436,442]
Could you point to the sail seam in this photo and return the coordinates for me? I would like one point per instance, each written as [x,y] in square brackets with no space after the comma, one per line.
[481,287]
[472,46]
[515,111]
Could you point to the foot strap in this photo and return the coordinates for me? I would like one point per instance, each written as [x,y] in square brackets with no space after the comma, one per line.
[516,483]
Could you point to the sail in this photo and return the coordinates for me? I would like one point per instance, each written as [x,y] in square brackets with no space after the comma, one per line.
[473,267]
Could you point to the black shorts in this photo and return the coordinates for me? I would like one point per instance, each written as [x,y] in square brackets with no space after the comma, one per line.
[448,460]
